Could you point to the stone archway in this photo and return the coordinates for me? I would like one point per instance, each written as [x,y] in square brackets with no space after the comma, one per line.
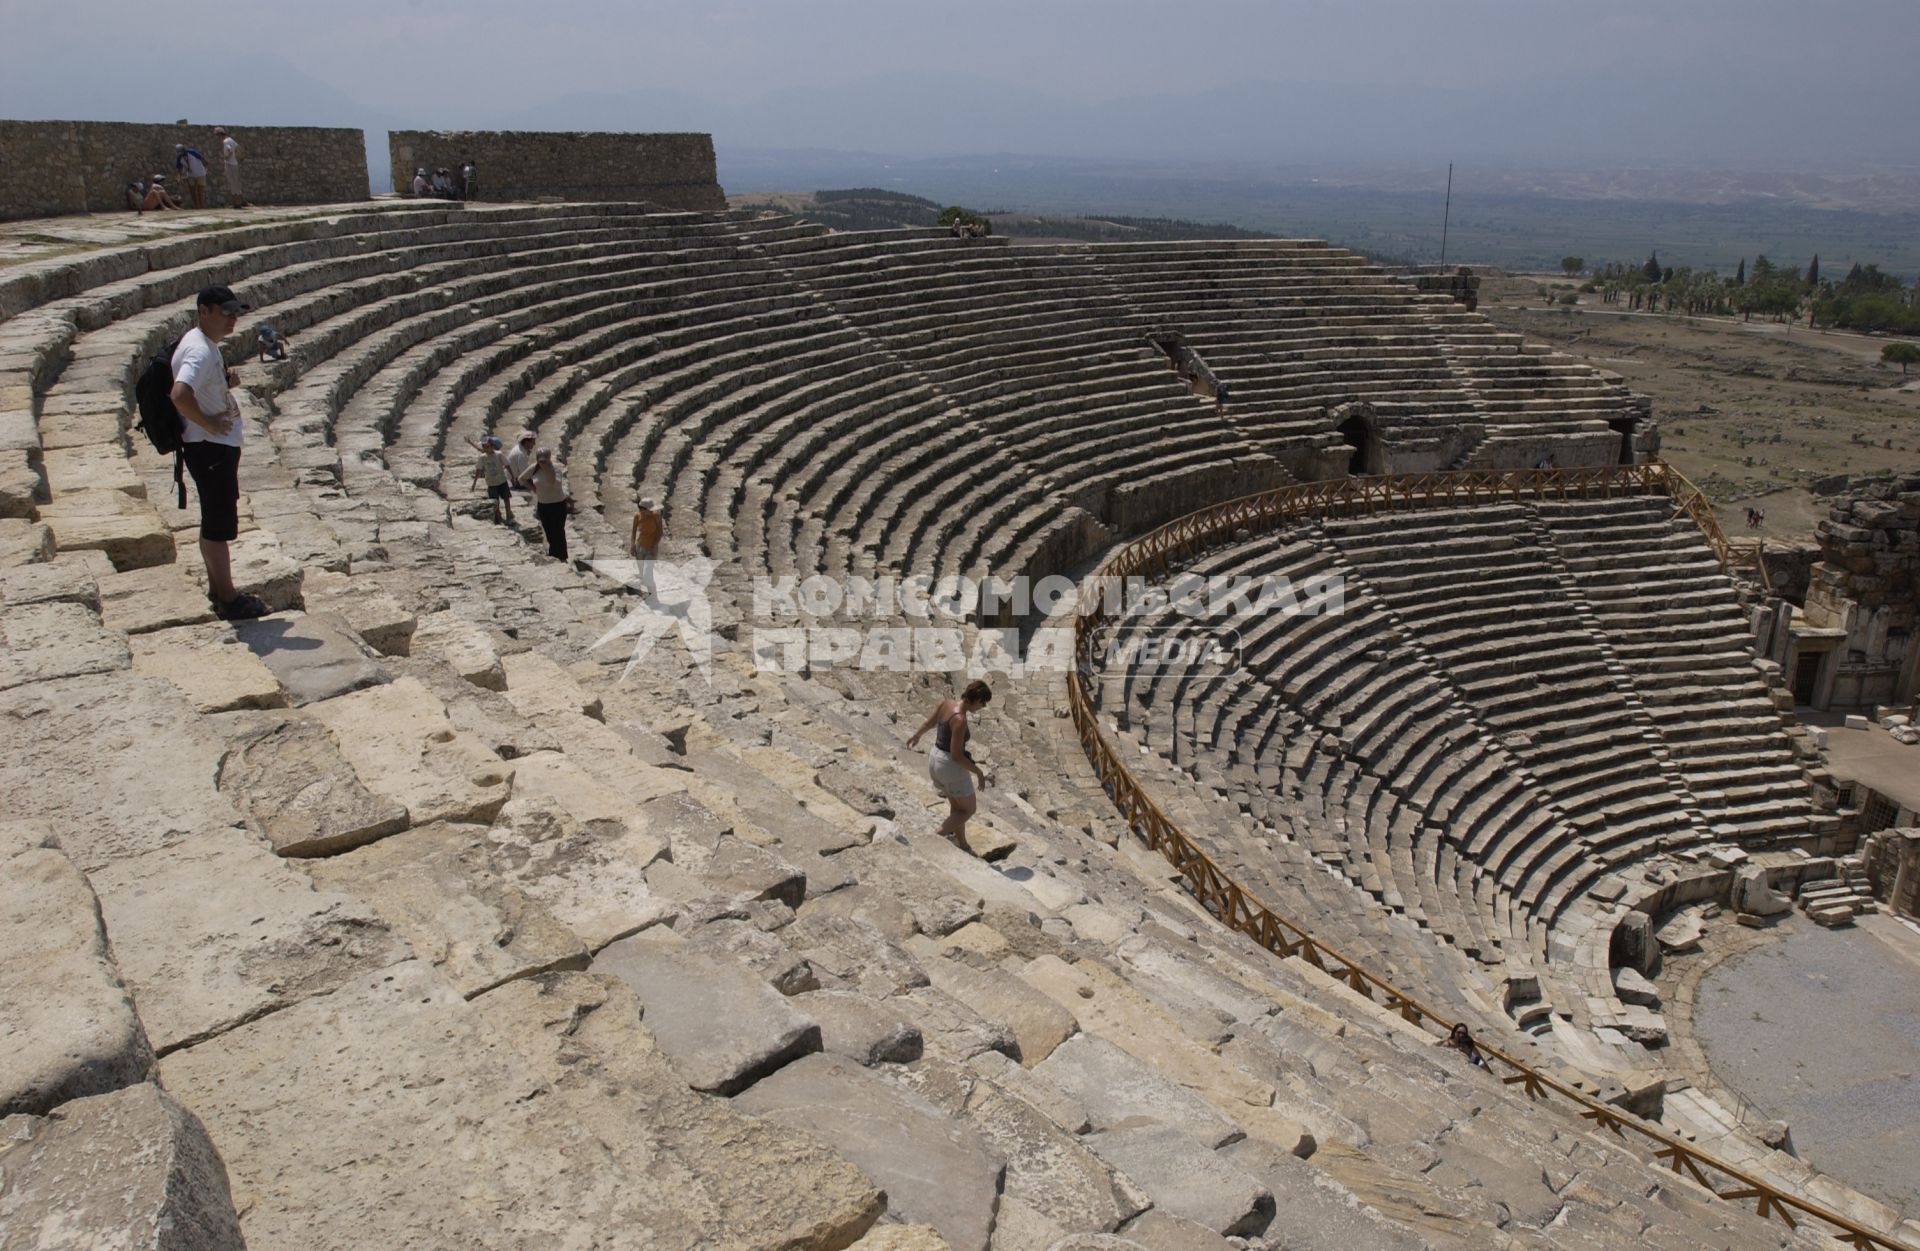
[1357,428]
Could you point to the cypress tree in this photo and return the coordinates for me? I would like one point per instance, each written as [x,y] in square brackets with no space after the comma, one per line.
[1813,271]
[1652,268]
[1740,275]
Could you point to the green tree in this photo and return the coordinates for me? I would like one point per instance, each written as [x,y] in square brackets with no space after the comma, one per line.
[1571,265]
[1901,354]
[1813,271]
[1740,275]
[1652,268]
[954,214]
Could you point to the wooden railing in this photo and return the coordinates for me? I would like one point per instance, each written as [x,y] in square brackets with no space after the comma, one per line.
[1157,553]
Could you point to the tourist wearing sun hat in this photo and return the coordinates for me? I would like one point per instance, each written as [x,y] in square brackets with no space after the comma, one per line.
[520,459]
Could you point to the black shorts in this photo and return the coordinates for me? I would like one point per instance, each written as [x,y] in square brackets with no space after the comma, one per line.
[216,480]
[500,492]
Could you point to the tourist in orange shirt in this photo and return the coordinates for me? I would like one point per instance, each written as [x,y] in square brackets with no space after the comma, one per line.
[648,530]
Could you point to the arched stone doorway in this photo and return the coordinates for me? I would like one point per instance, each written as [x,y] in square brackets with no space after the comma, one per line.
[1355,425]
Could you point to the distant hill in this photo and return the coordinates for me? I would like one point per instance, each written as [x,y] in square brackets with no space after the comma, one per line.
[876,208]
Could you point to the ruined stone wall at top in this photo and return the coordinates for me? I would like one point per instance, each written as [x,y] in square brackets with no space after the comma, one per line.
[671,170]
[1867,583]
[53,168]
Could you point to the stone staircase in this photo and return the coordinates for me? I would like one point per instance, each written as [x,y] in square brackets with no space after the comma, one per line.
[407,916]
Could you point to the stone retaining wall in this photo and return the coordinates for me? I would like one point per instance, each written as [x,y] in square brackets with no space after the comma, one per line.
[55,168]
[672,170]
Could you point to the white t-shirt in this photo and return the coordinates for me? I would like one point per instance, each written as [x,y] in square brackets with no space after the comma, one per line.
[198,363]
[518,458]
[196,168]
[230,151]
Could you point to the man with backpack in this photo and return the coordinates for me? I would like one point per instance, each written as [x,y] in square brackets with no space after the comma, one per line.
[210,444]
[189,164]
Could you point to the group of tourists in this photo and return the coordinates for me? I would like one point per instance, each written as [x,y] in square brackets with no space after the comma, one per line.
[443,184]
[1755,519]
[189,186]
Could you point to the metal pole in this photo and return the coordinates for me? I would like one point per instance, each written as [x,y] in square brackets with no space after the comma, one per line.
[1447,218]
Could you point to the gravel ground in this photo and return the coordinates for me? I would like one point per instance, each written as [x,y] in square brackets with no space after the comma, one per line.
[1823,1032]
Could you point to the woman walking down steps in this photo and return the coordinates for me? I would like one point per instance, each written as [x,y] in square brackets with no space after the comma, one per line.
[948,763]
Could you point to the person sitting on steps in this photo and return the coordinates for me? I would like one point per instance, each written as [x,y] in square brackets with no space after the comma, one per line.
[1461,1039]
[949,764]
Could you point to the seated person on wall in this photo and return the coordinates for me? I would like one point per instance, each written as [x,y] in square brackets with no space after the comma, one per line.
[420,186]
[157,197]
[442,185]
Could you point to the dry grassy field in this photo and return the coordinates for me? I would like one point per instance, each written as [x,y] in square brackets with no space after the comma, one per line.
[1753,411]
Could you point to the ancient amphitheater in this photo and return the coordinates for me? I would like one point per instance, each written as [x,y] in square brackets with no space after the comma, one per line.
[414,915]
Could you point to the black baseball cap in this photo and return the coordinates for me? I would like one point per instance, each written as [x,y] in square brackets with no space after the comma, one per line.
[223,299]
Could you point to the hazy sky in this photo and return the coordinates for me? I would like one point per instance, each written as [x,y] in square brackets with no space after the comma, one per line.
[472,62]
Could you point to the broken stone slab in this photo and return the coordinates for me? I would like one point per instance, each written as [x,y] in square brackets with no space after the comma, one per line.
[847,952]
[298,792]
[398,739]
[1055,1185]
[538,686]
[127,529]
[127,1169]
[953,1031]
[590,876]
[380,620]
[883,910]
[57,582]
[258,936]
[862,1029]
[463,646]
[988,843]
[902,1238]
[312,658]
[1314,1211]
[1682,932]
[1633,987]
[78,753]
[440,887]
[1118,1090]
[1038,1023]
[67,1025]
[345,1145]
[212,668]
[934,1171]
[1043,1096]
[1753,894]
[939,904]
[40,642]
[23,541]
[718,1052]
[1187,1179]
[741,934]
[158,598]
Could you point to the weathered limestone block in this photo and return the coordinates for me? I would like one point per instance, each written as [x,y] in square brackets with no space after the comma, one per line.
[439,887]
[1633,987]
[23,487]
[22,542]
[1187,1179]
[257,937]
[261,568]
[903,1238]
[935,1171]
[1159,1230]
[1055,1185]
[1632,943]
[539,687]
[463,646]
[311,657]
[381,621]
[299,793]
[1109,1007]
[1314,1212]
[718,1052]
[91,468]
[953,1031]
[590,876]
[212,668]
[1039,1024]
[850,953]
[1753,895]
[78,753]
[39,642]
[729,865]
[939,904]
[67,1027]
[97,425]
[1117,1090]
[158,598]
[863,1030]
[127,1169]
[60,582]
[427,1122]
[586,797]
[884,910]
[127,529]
[398,739]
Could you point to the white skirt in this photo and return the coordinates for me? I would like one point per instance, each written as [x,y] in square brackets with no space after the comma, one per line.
[949,776]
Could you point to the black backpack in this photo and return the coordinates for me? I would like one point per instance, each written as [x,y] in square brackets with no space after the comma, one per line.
[160,421]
